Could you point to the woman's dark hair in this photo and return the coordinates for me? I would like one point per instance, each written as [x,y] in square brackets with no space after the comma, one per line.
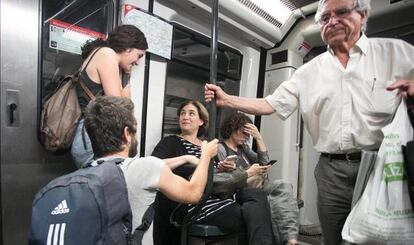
[120,39]
[233,123]
[202,113]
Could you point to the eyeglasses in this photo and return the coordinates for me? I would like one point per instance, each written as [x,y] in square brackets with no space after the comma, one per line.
[339,13]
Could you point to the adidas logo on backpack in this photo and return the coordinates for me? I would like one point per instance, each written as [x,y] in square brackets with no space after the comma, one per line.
[88,206]
[62,208]
[99,209]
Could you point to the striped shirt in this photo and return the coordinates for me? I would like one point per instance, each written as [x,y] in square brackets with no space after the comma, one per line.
[213,204]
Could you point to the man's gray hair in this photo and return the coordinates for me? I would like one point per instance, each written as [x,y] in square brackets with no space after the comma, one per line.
[360,6]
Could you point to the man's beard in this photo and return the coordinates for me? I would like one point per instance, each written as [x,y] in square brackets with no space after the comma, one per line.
[133,151]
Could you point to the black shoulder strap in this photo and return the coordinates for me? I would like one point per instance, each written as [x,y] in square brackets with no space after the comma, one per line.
[85,88]
[226,148]
[117,160]
[243,154]
[138,234]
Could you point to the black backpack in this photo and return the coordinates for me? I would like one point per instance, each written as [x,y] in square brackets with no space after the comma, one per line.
[88,206]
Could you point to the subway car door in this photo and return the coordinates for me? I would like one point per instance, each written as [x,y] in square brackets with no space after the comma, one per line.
[40,43]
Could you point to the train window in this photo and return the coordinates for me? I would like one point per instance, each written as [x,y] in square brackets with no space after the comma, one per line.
[194,49]
[66,25]
[189,69]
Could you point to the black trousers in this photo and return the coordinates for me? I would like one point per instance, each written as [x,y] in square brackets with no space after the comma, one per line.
[164,233]
[251,213]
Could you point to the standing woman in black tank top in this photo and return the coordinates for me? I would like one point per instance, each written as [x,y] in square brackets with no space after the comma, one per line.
[104,63]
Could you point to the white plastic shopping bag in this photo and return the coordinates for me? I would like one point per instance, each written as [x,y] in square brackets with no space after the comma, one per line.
[383,215]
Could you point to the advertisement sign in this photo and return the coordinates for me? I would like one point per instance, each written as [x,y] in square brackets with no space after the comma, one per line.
[69,37]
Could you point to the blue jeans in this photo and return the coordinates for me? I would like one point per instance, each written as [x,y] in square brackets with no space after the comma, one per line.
[82,152]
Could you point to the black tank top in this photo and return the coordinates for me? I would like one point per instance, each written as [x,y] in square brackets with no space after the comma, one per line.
[94,87]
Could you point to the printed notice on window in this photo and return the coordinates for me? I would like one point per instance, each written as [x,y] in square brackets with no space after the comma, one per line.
[68,37]
[158,32]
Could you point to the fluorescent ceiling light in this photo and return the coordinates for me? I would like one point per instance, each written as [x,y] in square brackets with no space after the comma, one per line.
[275,8]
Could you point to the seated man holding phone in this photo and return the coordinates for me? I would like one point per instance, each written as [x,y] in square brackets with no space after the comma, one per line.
[235,153]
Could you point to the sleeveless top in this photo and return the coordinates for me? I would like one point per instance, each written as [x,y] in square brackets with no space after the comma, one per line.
[95,88]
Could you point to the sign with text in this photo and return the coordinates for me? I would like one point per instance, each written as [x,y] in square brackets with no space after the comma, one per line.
[69,37]
[157,31]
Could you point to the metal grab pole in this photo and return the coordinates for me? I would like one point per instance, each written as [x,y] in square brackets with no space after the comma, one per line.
[213,68]
[211,131]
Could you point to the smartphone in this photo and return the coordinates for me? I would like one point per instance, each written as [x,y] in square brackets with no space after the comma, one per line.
[231,158]
[271,162]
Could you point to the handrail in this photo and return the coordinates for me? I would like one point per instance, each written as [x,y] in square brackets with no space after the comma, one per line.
[213,68]
[191,217]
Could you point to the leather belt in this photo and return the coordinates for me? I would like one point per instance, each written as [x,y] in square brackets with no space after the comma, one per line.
[345,156]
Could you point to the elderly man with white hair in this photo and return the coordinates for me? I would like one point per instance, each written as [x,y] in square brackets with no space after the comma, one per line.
[346,96]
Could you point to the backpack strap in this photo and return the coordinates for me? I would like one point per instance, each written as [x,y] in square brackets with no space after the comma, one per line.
[86,90]
[88,93]
[116,160]
[138,234]
[81,83]
[147,218]
[242,154]
[226,148]
[87,63]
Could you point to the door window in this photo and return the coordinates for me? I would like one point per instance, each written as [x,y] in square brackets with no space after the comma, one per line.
[66,25]
[189,69]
